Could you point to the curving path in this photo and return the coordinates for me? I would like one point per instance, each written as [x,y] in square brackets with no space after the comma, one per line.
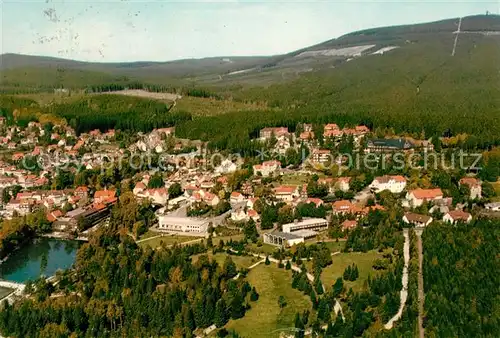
[421,296]
[404,290]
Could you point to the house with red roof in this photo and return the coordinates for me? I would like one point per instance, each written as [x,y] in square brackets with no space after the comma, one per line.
[278,132]
[82,191]
[209,198]
[417,197]
[139,188]
[267,168]
[344,207]
[456,216]
[348,224]
[54,215]
[286,193]
[156,196]
[316,201]
[236,197]
[105,196]
[474,186]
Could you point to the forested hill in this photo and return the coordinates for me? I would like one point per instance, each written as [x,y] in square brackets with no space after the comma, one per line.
[434,80]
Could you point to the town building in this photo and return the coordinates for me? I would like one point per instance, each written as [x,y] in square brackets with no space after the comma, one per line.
[395,184]
[315,224]
[416,198]
[492,206]
[474,186]
[456,216]
[417,219]
[343,184]
[286,193]
[388,145]
[322,156]
[278,132]
[267,168]
[282,239]
[348,224]
[226,167]
[236,198]
[183,224]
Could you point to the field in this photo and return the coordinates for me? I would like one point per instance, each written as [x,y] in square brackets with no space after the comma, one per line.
[266,249]
[145,94]
[155,242]
[364,261]
[265,318]
[296,179]
[333,246]
[4,292]
[208,107]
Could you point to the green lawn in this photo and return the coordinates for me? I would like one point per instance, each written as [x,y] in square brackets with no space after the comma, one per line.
[266,249]
[4,292]
[297,179]
[265,318]
[149,234]
[333,246]
[240,261]
[155,242]
[364,261]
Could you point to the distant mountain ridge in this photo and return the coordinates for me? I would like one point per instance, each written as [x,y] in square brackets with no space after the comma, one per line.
[17,69]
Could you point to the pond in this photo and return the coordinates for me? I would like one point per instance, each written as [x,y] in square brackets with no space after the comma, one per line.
[41,256]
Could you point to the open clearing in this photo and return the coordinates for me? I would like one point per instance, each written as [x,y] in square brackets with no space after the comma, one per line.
[265,249]
[364,261]
[208,107]
[145,94]
[265,318]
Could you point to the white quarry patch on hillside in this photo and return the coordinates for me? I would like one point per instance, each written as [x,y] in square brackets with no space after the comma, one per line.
[241,71]
[348,51]
[385,49]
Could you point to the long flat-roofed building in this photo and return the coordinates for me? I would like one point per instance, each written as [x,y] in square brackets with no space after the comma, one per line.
[282,239]
[306,224]
[183,224]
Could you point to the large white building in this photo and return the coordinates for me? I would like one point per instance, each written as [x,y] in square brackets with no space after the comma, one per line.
[306,224]
[183,224]
[395,184]
[282,239]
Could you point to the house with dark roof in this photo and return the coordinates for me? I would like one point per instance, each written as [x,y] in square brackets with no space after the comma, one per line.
[388,145]
[417,219]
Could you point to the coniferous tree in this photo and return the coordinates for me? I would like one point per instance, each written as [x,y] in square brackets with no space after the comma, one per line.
[220,316]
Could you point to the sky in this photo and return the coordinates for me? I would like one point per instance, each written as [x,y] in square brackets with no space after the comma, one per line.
[120,31]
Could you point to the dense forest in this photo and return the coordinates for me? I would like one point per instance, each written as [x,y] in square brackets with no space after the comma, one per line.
[462,279]
[112,111]
[119,289]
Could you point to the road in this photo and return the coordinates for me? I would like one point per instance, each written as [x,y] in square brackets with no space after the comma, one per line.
[404,290]
[421,296]
[456,37]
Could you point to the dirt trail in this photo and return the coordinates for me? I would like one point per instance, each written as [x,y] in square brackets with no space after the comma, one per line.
[421,296]
[404,290]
